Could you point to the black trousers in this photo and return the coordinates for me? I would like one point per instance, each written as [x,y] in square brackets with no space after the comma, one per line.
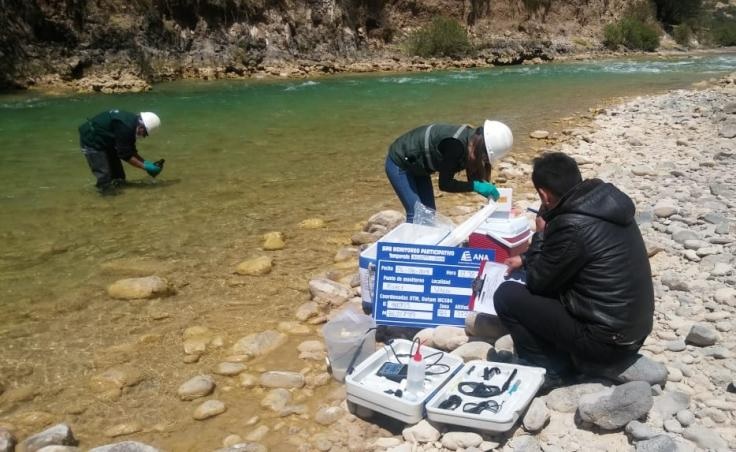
[105,166]
[546,335]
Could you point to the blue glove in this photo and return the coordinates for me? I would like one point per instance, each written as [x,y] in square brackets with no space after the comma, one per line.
[486,189]
[151,168]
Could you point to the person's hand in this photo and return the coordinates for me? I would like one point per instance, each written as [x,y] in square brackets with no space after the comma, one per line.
[513,263]
[486,189]
[151,168]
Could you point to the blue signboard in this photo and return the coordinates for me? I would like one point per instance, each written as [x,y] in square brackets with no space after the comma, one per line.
[424,286]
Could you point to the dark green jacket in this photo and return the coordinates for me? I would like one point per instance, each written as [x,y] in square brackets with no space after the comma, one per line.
[435,148]
[113,130]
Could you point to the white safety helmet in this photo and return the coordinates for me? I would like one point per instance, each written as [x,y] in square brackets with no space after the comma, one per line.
[498,138]
[150,121]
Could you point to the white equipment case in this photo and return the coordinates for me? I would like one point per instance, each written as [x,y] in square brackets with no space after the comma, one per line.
[368,390]
[512,402]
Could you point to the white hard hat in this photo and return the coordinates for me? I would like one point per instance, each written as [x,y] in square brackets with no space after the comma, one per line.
[498,138]
[150,121]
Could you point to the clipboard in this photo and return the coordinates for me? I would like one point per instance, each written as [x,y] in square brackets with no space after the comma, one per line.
[490,276]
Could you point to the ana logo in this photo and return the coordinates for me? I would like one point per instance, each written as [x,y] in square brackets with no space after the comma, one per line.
[466,257]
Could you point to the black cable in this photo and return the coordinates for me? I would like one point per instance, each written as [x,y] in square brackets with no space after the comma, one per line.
[437,362]
[350,368]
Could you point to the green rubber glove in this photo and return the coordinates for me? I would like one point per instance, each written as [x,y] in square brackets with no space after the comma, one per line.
[486,189]
[151,168]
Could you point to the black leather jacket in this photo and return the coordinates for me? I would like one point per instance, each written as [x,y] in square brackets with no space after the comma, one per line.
[592,257]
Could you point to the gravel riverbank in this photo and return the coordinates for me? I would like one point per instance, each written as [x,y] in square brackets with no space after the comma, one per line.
[674,154]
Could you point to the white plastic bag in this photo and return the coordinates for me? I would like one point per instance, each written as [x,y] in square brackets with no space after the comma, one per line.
[429,217]
[350,337]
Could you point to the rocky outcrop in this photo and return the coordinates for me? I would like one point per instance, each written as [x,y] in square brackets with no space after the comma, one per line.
[109,46]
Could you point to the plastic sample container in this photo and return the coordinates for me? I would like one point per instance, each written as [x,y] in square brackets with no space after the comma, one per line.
[367,389]
[415,234]
[350,339]
[507,237]
[511,404]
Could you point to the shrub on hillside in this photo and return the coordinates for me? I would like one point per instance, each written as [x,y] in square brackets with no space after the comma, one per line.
[682,34]
[442,37]
[632,34]
[675,12]
[723,27]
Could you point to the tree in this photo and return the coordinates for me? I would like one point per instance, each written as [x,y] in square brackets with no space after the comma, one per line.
[676,12]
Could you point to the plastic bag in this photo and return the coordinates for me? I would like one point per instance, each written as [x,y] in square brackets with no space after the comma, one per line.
[429,217]
[350,337]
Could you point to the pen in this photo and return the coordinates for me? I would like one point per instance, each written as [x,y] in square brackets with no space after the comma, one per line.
[535,211]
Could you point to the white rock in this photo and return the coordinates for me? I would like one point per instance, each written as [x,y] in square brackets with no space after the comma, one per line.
[449,337]
[282,379]
[423,432]
[329,415]
[461,440]
[196,387]
[138,288]
[229,369]
[208,409]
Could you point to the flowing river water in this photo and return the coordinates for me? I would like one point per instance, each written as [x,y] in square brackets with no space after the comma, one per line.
[242,159]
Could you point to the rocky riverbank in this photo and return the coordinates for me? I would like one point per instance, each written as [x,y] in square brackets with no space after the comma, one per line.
[673,154]
[108,47]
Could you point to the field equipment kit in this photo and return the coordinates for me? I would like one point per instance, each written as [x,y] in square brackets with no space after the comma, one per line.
[484,395]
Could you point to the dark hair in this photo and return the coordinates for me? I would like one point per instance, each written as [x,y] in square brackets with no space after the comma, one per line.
[477,167]
[556,172]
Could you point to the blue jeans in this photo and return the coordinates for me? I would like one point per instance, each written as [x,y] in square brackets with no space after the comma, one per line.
[410,188]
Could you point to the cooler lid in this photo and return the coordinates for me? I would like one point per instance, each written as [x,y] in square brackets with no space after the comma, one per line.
[507,227]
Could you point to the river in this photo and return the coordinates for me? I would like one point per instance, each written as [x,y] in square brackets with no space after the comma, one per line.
[243,158]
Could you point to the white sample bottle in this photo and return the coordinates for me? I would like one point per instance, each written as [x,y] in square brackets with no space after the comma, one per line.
[415,374]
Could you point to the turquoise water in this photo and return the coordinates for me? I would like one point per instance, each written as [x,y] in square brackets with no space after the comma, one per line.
[242,158]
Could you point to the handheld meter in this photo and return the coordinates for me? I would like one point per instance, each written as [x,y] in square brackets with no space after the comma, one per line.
[393,371]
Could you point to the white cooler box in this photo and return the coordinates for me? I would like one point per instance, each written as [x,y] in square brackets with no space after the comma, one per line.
[414,234]
[512,402]
[365,388]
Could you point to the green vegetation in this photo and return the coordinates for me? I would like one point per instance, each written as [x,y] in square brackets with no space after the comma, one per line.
[682,34]
[637,30]
[442,37]
[723,27]
[677,12]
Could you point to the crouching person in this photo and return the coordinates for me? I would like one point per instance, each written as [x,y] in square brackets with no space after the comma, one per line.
[588,295]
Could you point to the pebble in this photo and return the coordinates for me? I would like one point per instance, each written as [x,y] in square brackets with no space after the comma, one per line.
[229,369]
[282,379]
[208,409]
[329,415]
[612,409]
[196,387]
[537,415]
[125,446]
[701,335]
[422,432]
[139,288]
[257,266]
[126,428]
[660,443]
[58,435]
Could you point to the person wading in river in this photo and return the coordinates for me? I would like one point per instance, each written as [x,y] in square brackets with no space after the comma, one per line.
[110,137]
[446,149]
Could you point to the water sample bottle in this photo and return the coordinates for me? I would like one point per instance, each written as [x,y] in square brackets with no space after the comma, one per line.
[415,373]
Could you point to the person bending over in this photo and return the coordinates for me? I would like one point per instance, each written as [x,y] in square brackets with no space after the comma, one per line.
[446,149]
[110,137]
[588,296]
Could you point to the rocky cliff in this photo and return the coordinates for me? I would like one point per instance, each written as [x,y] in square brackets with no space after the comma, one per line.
[112,45]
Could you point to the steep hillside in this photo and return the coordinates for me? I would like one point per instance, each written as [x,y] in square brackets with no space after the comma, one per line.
[108,45]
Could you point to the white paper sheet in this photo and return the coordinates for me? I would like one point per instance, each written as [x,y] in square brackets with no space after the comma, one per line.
[492,275]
